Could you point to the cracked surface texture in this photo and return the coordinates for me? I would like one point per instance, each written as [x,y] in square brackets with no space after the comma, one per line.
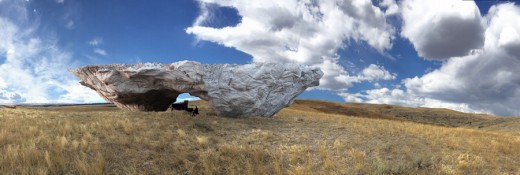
[259,89]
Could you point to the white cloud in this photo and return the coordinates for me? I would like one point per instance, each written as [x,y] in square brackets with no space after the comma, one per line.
[204,14]
[377,85]
[440,29]
[486,80]
[403,98]
[34,68]
[305,32]
[375,72]
[2,83]
[60,1]
[8,97]
[334,76]
[78,93]
[391,96]
[352,98]
[100,51]
[391,7]
[96,41]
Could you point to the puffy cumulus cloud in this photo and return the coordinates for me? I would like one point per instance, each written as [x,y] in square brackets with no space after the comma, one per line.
[384,96]
[440,29]
[352,98]
[486,80]
[34,69]
[501,31]
[301,31]
[391,96]
[375,72]
[335,77]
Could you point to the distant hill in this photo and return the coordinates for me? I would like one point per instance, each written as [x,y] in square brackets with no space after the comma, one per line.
[73,107]
[435,116]
[509,125]
[7,106]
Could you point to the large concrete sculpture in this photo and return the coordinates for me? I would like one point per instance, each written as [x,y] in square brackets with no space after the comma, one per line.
[260,89]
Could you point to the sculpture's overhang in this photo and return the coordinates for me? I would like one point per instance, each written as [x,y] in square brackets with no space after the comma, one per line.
[260,89]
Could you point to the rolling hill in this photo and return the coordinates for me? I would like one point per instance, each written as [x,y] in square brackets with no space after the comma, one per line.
[435,116]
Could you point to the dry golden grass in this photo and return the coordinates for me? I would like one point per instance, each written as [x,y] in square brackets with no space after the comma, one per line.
[435,116]
[509,125]
[295,141]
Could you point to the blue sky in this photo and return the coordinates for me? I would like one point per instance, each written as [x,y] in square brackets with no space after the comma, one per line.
[461,55]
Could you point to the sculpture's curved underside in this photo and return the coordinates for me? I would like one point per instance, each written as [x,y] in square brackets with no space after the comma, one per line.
[260,89]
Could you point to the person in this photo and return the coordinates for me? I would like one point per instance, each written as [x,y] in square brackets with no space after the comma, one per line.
[195,112]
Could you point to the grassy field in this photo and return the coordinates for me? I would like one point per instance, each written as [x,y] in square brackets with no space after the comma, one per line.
[307,138]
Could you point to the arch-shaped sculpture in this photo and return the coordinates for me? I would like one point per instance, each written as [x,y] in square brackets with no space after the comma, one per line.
[260,89]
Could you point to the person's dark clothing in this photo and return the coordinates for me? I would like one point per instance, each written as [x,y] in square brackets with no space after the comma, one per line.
[195,111]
